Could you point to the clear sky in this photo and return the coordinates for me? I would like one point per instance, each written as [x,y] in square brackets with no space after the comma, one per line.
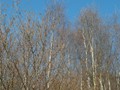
[73,7]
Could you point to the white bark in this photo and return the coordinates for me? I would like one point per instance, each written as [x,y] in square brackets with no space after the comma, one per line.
[25,82]
[49,62]
[104,87]
[69,63]
[93,63]
[118,84]
[118,80]
[86,59]
[101,84]
[81,81]
[109,84]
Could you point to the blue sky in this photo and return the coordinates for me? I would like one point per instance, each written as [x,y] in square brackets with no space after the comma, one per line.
[73,7]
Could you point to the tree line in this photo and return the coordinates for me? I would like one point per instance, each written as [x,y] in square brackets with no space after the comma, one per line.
[46,52]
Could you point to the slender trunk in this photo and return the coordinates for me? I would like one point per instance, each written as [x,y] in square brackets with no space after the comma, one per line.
[49,62]
[109,84]
[100,80]
[86,60]
[69,63]
[25,81]
[104,87]
[81,81]
[118,80]
[25,72]
[93,64]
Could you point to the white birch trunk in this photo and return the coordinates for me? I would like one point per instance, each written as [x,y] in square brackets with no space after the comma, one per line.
[118,82]
[101,84]
[93,64]
[109,84]
[104,87]
[49,62]
[86,60]
[25,82]
[81,81]
[69,64]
